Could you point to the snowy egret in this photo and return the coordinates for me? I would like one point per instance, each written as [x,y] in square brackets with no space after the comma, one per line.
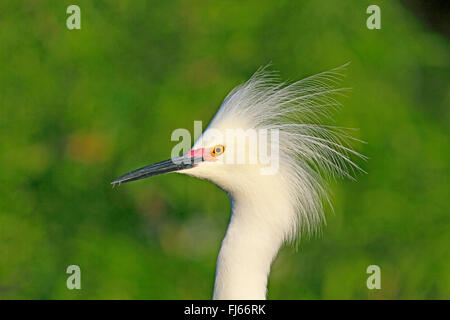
[273,207]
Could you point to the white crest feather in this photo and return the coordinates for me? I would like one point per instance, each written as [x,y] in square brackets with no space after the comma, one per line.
[310,150]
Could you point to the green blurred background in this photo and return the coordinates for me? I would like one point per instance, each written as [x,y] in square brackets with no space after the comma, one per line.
[78,108]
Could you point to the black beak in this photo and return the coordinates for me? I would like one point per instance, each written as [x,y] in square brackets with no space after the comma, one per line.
[171,165]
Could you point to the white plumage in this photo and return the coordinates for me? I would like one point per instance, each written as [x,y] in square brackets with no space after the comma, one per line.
[269,210]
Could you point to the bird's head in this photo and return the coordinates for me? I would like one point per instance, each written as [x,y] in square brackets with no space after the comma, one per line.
[229,153]
[269,136]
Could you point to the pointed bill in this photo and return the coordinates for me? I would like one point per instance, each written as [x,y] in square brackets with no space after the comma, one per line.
[166,166]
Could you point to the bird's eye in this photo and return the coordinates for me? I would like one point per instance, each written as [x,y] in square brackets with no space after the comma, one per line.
[217,150]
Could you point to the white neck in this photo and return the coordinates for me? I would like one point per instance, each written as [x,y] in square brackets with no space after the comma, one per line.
[251,243]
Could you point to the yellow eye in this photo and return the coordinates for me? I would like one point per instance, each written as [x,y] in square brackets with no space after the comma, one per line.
[217,150]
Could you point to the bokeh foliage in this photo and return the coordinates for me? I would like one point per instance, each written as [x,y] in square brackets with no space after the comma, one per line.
[78,108]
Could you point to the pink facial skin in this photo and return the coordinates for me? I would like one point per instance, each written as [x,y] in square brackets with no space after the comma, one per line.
[203,152]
